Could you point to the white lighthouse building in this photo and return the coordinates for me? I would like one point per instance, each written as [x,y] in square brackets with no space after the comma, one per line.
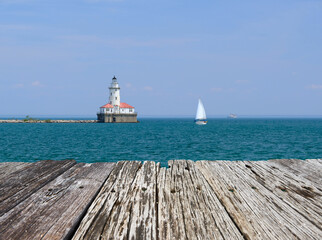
[116,111]
[114,93]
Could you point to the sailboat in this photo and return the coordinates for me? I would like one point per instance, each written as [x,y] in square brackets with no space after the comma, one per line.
[201,118]
[233,116]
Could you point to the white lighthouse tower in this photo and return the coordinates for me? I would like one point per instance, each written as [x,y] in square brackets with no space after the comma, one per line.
[115,99]
[116,111]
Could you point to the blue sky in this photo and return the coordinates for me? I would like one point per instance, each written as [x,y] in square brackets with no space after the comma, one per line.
[244,57]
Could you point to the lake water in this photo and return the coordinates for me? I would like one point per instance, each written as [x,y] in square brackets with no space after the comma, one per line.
[163,139]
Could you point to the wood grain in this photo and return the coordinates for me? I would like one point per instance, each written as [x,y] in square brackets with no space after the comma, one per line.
[310,170]
[20,184]
[188,208]
[299,193]
[6,168]
[54,211]
[108,217]
[275,199]
[257,211]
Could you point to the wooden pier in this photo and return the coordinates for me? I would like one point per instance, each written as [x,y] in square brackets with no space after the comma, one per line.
[275,199]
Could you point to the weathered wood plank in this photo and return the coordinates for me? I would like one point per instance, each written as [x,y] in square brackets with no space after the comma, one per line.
[109,217]
[171,220]
[318,162]
[54,211]
[299,193]
[6,168]
[202,200]
[163,229]
[310,170]
[188,208]
[143,203]
[209,203]
[257,211]
[20,184]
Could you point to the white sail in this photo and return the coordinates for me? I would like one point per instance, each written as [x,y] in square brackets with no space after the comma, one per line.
[201,114]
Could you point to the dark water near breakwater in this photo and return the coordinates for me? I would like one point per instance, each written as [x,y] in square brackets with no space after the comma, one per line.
[163,139]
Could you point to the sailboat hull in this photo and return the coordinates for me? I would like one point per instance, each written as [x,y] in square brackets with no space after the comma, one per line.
[201,122]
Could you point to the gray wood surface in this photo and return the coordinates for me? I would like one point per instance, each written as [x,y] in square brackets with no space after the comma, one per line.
[310,170]
[6,168]
[20,184]
[188,208]
[125,207]
[276,199]
[299,193]
[54,211]
[258,212]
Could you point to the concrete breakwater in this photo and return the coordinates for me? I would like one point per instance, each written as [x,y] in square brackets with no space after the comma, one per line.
[275,199]
[46,121]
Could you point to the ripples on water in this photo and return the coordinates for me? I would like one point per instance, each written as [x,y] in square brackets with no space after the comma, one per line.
[163,139]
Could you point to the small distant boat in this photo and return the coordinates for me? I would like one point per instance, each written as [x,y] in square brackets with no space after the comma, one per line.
[232,116]
[201,118]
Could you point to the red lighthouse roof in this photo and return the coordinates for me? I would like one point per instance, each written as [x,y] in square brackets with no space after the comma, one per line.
[122,105]
[107,106]
[125,105]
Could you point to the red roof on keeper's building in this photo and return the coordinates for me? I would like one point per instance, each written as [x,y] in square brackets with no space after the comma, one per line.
[107,106]
[125,105]
[122,105]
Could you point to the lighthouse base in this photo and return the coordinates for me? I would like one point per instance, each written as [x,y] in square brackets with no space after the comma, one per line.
[117,118]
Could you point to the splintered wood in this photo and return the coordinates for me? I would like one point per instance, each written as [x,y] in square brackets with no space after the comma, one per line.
[53,208]
[125,207]
[188,208]
[258,208]
[275,199]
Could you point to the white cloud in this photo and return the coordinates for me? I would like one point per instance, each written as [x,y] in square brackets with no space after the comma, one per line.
[216,89]
[241,81]
[232,89]
[14,1]
[126,42]
[128,85]
[97,1]
[18,85]
[4,27]
[148,88]
[81,38]
[315,87]
[36,84]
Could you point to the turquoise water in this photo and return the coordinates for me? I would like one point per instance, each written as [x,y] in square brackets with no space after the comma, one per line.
[163,139]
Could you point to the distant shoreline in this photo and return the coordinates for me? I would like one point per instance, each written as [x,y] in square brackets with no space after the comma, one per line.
[47,121]
[84,120]
[87,117]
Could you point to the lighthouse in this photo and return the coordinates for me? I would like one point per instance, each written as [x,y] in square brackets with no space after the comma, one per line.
[116,111]
[114,93]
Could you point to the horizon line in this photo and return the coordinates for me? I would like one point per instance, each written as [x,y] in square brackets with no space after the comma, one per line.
[7,116]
